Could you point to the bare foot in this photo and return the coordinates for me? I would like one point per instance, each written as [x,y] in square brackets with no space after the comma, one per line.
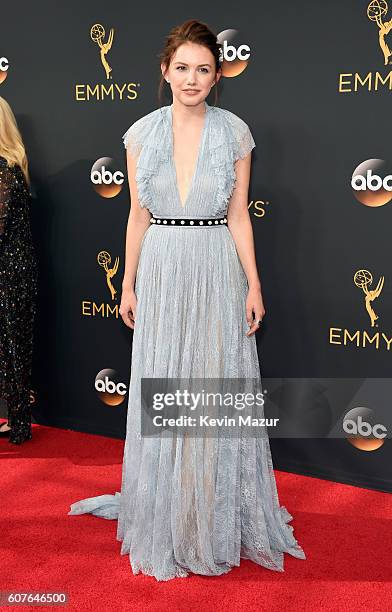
[4,427]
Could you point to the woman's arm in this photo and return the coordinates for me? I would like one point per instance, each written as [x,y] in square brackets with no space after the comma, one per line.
[138,222]
[240,226]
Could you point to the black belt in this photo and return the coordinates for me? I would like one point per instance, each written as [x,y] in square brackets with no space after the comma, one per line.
[170,221]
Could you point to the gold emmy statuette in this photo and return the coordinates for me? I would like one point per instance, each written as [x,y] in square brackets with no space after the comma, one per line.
[375,11]
[97,34]
[104,260]
[363,279]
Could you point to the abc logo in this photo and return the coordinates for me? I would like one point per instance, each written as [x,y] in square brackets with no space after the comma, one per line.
[371,183]
[230,52]
[107,181]
[234,54]
[364,432]
[4,65]
[110,391]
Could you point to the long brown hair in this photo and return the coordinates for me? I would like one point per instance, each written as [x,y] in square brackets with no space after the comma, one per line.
[11,143]
[194,31]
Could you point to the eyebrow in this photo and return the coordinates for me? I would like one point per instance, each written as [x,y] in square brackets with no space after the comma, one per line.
[185,64]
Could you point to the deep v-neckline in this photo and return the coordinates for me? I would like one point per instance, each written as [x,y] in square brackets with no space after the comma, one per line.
[196,167]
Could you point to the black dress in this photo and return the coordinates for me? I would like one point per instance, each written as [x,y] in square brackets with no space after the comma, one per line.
[18,290]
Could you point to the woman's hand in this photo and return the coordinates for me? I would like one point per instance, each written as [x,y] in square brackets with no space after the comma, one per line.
[254,304]
[128,307]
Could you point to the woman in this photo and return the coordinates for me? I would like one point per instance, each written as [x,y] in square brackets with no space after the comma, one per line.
[192,504]
[18,280]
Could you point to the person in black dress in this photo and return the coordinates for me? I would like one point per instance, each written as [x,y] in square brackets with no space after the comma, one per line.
[18,280]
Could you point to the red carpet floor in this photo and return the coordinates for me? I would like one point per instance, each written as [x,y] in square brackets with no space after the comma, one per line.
[345,531]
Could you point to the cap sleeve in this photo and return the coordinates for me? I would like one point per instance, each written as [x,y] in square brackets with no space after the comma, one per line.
[147,142]
[243,141]
[133,141]
[142,131]
[136,136]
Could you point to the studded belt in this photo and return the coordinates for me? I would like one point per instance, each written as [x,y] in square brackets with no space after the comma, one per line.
[190,222]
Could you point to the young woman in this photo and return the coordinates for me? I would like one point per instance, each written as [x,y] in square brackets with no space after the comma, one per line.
[18,280]
[187,503]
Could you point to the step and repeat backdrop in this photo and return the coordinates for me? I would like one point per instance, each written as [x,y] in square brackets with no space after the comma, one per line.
[313,81]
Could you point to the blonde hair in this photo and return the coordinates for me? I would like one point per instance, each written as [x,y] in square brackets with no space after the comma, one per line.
[11,143]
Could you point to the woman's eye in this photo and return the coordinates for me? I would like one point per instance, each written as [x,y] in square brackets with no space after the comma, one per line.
[202,69]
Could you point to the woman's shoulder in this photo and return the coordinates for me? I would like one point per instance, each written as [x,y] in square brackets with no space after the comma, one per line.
[234,120]
[12,175]
[9,169]
[140,129]
[11,166]
[239,132]
[149,118]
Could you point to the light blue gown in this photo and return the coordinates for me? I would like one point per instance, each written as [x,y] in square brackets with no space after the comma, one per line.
[192,504]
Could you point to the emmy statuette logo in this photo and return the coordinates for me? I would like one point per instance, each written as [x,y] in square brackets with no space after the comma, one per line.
[364,338]
[97,34]
[363,279]
[107,89]
[376,10]
[352,82]
[105,310]
[104,260]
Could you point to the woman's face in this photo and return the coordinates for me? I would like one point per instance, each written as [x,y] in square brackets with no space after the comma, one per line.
[191,73]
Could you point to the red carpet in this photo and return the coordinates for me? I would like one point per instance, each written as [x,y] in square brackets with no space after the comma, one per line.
[345,531]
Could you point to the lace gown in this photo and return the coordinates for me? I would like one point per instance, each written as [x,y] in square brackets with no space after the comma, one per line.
[18,289]
[190,504]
